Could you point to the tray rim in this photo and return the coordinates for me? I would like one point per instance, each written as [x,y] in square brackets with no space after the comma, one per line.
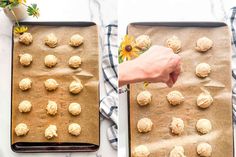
[180,24]
[172,24]
[55,148]
[58,23]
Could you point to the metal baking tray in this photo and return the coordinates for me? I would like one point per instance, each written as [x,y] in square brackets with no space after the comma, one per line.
[45,147]
[167,24]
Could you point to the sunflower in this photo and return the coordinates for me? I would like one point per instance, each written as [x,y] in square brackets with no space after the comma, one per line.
[17,1]
[21,1]
[127,49]
[20,29]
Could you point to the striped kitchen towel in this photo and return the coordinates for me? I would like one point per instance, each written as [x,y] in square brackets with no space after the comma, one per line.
[109,104]
[232,22]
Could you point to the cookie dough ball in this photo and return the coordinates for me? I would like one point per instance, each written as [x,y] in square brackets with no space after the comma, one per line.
[74,109]
[74,129]
[25,106]
[177,151]
[177,126]
[204,44]
[203,126]
[51,108]
[21,129]
[51,132]
[25,59]
[143,42]
[25,84]
[50,61]
[144,98]
[204,149]
[144,125]
[175,98]
[51,40]
[203,70]
[51,84]
[174,43]
[26,38]
[75,61]
[141,151]
[76,40]
[75,87]
[204,100]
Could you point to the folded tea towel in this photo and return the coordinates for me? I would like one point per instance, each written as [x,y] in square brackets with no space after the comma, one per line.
[232,23]
[109,104]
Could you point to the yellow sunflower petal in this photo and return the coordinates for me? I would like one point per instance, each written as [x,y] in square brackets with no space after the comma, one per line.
[145,84]
[20,29]
[122,52]
[128,57]
[21,1]
[123,58]
[134,54]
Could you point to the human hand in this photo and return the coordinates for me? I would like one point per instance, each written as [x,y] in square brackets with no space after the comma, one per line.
[159,64]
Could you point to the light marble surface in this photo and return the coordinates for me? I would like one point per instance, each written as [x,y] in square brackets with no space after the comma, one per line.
[74,10]
[163,10]
[102,12]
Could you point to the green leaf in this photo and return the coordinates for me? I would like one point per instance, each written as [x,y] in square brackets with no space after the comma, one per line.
[7,4]
[120,59]
[33,10]
[4,3]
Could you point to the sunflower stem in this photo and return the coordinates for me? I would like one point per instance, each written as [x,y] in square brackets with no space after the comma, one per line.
[13,13]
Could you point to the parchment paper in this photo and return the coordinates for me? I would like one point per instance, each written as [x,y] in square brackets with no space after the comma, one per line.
[38,120]
[160,141]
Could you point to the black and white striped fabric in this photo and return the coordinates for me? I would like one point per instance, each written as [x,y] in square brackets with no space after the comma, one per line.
[109,104]
[232,22]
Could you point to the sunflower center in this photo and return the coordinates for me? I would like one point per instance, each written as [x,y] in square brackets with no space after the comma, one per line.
[128,48]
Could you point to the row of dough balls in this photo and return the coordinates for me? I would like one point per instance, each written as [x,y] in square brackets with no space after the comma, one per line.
[203,149]
[51,109]
[51,40]
[204,99]
[49,60]
[203,44]
[203,126]
[50,132]
[75,87]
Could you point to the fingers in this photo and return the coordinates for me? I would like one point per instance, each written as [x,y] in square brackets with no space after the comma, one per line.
[172,79]
[168,80]
[170,83]
[175,71]
[174,75]
[174,65]
[175,61]
[165,65]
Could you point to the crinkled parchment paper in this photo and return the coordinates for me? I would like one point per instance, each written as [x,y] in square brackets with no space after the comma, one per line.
[160,141]
[38,120]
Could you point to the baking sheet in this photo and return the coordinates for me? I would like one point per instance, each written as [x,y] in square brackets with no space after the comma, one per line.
[37,119]
[160,141]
